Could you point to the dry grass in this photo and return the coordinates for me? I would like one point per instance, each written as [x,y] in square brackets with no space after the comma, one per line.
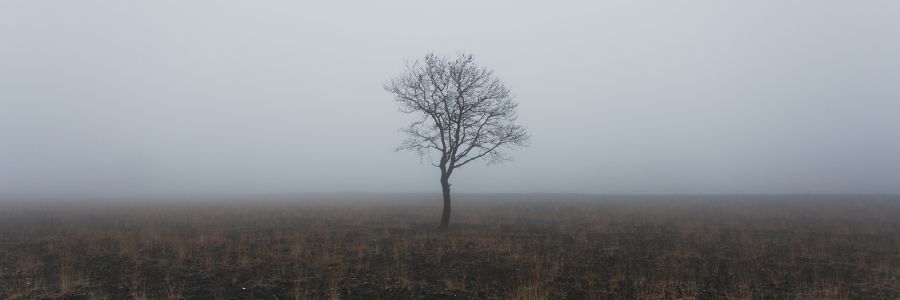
[510,247]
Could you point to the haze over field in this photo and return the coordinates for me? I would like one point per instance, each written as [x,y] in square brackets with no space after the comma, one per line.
[176,98]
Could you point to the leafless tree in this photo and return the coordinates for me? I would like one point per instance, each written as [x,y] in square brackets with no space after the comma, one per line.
[463,112]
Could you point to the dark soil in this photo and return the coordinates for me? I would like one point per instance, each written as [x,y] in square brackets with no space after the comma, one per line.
[498,247]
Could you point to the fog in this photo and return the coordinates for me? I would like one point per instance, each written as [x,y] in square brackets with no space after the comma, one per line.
[182,98]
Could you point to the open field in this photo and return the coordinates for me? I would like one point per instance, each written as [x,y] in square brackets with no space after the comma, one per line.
[498,247]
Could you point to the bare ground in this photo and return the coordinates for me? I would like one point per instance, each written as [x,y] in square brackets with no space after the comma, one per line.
[499,247]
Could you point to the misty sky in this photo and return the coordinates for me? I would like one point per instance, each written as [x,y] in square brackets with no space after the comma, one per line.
[155,98]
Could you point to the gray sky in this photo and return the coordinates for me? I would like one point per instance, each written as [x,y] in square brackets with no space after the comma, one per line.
[146,98]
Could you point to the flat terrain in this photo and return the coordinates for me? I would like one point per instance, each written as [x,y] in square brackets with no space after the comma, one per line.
[499,247]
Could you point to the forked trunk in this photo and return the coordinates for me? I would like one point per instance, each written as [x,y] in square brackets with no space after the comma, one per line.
[445,189]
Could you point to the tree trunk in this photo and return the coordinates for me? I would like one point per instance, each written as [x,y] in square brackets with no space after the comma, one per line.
[445,188]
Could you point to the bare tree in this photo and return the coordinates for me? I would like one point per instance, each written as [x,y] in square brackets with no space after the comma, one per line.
[465,114]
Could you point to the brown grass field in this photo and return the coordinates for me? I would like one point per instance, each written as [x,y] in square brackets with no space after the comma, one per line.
[498,247]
